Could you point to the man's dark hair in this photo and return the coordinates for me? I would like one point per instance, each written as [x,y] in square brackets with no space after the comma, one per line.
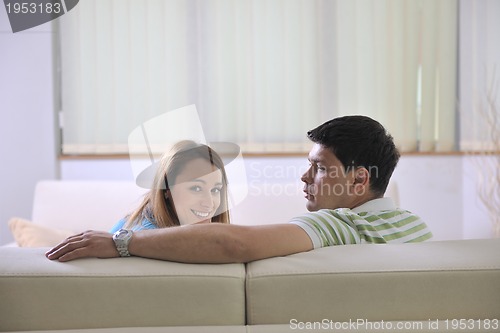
[359,141]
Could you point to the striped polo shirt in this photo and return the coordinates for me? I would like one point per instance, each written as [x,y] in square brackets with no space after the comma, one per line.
[376,221]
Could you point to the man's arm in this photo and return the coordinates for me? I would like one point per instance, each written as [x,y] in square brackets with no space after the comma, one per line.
[202,243]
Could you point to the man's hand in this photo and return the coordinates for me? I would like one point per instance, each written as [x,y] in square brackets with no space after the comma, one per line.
[87,244]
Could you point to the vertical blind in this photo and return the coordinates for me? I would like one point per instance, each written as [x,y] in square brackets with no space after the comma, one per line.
[479,66]
[261,72]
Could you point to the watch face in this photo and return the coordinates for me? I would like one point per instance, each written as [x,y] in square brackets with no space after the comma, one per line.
[121,234]
[121,239]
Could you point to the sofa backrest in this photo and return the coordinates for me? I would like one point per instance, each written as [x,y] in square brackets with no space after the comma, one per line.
[39,294]
[375,282]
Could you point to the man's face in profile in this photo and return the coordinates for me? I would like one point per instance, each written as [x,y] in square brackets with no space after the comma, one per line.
[326,183]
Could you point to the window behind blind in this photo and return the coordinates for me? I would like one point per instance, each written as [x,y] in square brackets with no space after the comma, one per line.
[261,73]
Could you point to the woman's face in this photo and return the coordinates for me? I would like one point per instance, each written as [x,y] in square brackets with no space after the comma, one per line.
[197,192]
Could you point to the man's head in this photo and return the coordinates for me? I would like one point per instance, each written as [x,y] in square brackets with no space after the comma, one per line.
[351,162]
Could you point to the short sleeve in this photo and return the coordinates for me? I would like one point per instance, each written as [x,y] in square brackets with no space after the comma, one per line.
[119,225]
[144,225]
[328,227]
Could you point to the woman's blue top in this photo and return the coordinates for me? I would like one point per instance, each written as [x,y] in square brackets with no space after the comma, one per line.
[145,224]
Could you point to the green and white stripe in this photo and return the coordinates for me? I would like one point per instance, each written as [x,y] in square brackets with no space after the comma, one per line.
[328,227]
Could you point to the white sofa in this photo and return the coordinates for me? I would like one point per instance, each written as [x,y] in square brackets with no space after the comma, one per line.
[424,287]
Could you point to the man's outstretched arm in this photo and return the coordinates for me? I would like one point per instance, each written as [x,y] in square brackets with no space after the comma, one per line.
[201,243]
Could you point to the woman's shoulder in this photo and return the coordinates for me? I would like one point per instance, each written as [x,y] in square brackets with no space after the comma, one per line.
[119,225]
[144,225]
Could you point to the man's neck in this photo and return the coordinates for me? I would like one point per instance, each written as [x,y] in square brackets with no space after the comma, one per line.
[361,200]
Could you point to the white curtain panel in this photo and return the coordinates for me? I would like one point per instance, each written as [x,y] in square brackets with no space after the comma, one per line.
[479,104]
[260,72]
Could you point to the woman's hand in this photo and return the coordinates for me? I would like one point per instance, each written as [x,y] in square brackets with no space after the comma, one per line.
[90,243]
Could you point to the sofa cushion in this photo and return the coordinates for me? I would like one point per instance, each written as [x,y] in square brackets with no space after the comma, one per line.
[39,294]
[29,234]
[391,282]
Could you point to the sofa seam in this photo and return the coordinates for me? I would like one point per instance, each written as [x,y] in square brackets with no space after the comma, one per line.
[292,273]
[6,275]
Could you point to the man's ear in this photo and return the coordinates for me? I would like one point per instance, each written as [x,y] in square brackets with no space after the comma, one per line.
[361,180]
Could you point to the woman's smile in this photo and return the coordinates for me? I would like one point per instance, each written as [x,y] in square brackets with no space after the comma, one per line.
[200,214]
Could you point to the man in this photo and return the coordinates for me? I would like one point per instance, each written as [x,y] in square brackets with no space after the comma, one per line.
[351,162]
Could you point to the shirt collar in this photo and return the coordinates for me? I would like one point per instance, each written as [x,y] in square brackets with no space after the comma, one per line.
[375,205]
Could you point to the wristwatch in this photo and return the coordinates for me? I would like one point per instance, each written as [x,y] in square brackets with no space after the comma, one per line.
[122,238]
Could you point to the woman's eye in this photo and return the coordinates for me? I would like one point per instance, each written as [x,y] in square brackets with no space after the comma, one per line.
[196,188]
[216,190]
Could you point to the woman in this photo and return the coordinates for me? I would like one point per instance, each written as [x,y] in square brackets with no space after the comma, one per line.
[189,186]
